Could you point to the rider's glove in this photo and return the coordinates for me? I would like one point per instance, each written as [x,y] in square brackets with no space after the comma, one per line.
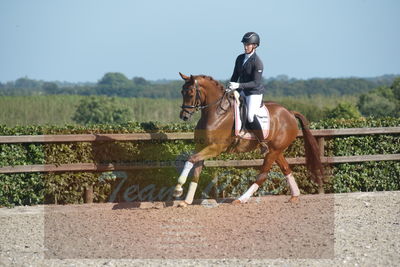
[233,85]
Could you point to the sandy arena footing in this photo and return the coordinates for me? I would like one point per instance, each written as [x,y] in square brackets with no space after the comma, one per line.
[333,229]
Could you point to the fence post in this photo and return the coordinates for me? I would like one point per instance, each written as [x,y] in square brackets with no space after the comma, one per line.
[321,145]
[89,194]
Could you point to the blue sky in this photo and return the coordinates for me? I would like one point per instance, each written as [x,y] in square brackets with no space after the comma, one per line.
[81,40]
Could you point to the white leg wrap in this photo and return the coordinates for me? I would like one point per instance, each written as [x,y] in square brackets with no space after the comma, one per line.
[190,193]
[185,172]
[294,189]
[246,196]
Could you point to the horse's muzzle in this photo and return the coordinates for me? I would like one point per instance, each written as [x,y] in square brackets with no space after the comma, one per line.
[185,115]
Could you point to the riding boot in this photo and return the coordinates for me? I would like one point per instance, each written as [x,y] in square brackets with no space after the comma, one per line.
[257,130]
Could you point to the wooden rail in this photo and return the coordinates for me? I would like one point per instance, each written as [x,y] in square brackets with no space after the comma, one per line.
[77,167]
[93,137]
[171,136]
[319,134]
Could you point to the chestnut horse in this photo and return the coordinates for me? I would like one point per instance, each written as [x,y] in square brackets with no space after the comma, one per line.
[214,135]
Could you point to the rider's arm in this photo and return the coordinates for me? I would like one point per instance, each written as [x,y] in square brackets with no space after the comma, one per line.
[236,74]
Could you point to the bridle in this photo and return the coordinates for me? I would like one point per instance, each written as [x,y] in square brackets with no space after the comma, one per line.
[197,101]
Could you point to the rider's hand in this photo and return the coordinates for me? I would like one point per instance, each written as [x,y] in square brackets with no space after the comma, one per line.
[233,85]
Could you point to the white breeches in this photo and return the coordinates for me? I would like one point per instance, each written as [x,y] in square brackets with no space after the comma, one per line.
[253,104]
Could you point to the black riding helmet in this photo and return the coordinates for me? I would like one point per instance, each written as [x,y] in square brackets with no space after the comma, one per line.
[251,38]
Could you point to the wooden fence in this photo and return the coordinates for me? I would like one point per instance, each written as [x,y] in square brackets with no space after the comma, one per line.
[319,134]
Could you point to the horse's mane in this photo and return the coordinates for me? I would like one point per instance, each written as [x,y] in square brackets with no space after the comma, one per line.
[212,80]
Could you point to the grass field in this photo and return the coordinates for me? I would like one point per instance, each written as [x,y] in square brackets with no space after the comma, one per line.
[59,109]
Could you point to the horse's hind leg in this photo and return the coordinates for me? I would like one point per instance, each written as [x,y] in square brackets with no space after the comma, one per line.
[294,189]
[268,161]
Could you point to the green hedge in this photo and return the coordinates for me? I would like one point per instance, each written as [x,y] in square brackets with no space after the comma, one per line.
[156,184]
[366,176]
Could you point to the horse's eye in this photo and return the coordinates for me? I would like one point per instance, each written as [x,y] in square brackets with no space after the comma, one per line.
[186,91]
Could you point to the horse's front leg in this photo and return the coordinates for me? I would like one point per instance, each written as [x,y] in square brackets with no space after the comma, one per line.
[196,160]
[193,185]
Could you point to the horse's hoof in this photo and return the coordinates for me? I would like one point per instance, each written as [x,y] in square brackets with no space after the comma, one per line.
[236,202]
[178,192]
[294,200]
[182,204]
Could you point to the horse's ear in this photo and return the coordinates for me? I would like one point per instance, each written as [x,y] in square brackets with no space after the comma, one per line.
[186,78]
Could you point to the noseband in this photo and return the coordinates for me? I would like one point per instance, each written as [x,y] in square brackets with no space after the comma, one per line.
[197,102]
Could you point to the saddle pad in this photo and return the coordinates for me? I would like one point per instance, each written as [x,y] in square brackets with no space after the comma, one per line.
[263,118]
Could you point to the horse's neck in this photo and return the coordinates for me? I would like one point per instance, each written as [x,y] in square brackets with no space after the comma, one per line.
[212,94]
[219,106]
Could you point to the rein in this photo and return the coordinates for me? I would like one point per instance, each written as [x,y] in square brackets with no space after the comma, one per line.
[197,102]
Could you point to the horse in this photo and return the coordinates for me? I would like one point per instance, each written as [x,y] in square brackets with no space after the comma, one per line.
[213,135]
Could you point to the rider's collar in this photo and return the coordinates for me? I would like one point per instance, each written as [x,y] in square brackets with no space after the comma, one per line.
[246,56]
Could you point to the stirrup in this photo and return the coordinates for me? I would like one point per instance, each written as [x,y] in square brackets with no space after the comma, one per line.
[263,147]
[242,134]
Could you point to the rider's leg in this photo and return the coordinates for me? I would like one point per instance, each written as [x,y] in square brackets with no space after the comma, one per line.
[254,103]
[257,129]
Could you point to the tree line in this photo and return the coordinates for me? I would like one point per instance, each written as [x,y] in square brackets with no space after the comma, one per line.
[116,99]
[117,84]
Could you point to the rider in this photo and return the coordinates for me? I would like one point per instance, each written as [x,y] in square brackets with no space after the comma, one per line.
[248,71]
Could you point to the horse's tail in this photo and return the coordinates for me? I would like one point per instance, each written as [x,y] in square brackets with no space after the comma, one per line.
[313,159]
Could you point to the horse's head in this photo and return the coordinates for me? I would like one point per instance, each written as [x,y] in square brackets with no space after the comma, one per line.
[191,95]
[200,92]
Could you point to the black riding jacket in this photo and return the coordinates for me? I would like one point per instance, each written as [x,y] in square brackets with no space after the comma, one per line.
[249,75]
